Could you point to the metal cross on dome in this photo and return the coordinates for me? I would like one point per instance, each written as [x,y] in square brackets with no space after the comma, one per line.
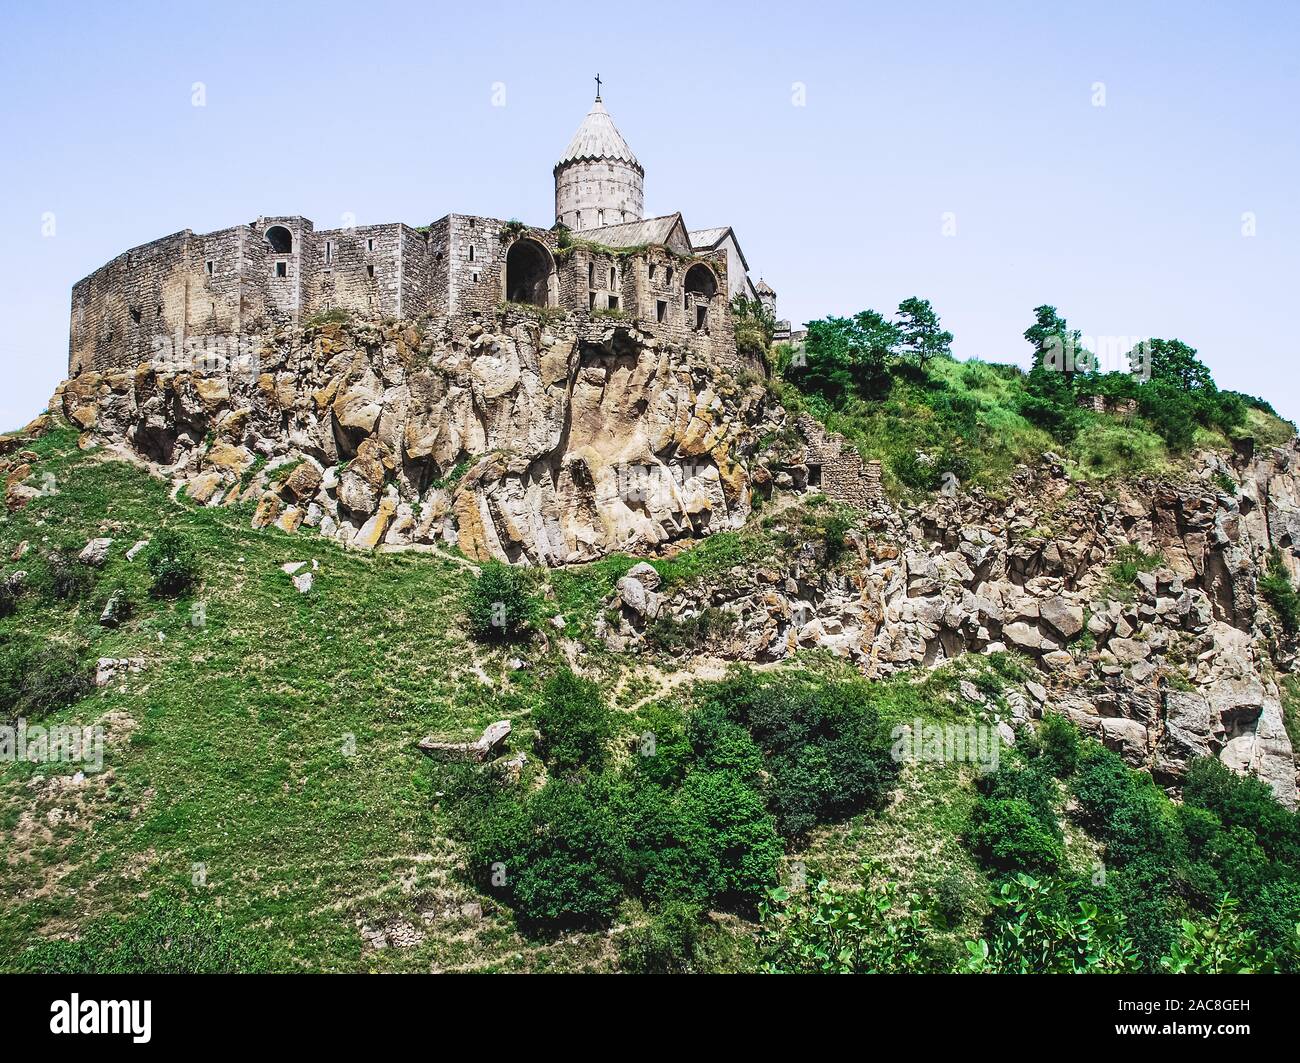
[598,88]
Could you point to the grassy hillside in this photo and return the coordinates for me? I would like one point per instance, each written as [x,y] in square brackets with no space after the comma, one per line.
[262,772]
[969,417]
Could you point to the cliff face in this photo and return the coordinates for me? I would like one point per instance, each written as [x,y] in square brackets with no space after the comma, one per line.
[1165,658]
[533,443]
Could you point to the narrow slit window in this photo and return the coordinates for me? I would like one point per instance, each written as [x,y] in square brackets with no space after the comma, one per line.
[282,269]
[661,311]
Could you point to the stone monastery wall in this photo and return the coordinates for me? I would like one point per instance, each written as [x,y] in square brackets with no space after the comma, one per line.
[177,292]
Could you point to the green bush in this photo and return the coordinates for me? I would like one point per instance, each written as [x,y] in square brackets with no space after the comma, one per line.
[1276,587]
[169,935]
[557,857]
[1008,835]
[741,832]
[828,754]
[1034,929]
[665,944]
[867,930]
[1103,785]
[1059,745]
[172,564]
[38,676]
[573,724]
[59,577]
[499,606]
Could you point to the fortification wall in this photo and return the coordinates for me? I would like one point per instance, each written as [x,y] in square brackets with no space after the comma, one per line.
[188,292]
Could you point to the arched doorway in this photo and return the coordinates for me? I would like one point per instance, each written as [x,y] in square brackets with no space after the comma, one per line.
[529,271]
[280,240]
[700,286]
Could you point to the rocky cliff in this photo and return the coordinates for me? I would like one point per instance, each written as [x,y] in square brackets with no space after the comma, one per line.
[1165,658]
[539,443]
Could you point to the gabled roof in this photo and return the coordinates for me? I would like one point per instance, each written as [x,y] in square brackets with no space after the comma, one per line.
[710,239]
[598,140]
[666,231]
[763,288]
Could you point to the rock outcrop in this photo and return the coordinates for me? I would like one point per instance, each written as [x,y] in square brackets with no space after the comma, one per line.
[1138,603]
[545,443]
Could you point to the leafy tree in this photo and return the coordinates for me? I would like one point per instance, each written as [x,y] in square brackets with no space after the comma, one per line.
[1058,349]
[848,355]
[1172,362]
[573,724]
[499,604]
[742,833]
[1009,835]
[557,857]
[920,333]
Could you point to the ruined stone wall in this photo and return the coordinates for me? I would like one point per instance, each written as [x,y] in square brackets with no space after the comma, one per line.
[841,473]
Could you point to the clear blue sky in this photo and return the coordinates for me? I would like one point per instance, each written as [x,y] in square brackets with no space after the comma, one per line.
[1127,217]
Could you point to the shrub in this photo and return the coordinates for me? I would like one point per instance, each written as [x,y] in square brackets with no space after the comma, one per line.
[741,831]
[665,944]
[573,724]
[833,532]
[826,931]
[499,605]
[59,577]
[1033,930]
[168,936]
[8,598]
[557,856]
[672,852]
[1007,834]
[38,676]
[1275,585]
[172,564]
[1103,784]
[1059,745]
[828,752]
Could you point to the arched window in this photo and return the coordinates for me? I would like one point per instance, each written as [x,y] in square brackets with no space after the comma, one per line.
[528,273]
[280,240]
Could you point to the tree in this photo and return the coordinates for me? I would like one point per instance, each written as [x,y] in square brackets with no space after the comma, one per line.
[1171,361]
[573,724]
[499,606]
[919,331]
[1057,347]
[172,564]
[849,355]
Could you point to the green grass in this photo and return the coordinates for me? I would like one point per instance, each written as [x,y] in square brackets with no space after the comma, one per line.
[231,750]
[263,765]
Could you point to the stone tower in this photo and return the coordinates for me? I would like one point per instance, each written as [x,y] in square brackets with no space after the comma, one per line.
[598,180]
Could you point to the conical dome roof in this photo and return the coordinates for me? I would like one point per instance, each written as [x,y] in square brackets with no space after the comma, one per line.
[598,140]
